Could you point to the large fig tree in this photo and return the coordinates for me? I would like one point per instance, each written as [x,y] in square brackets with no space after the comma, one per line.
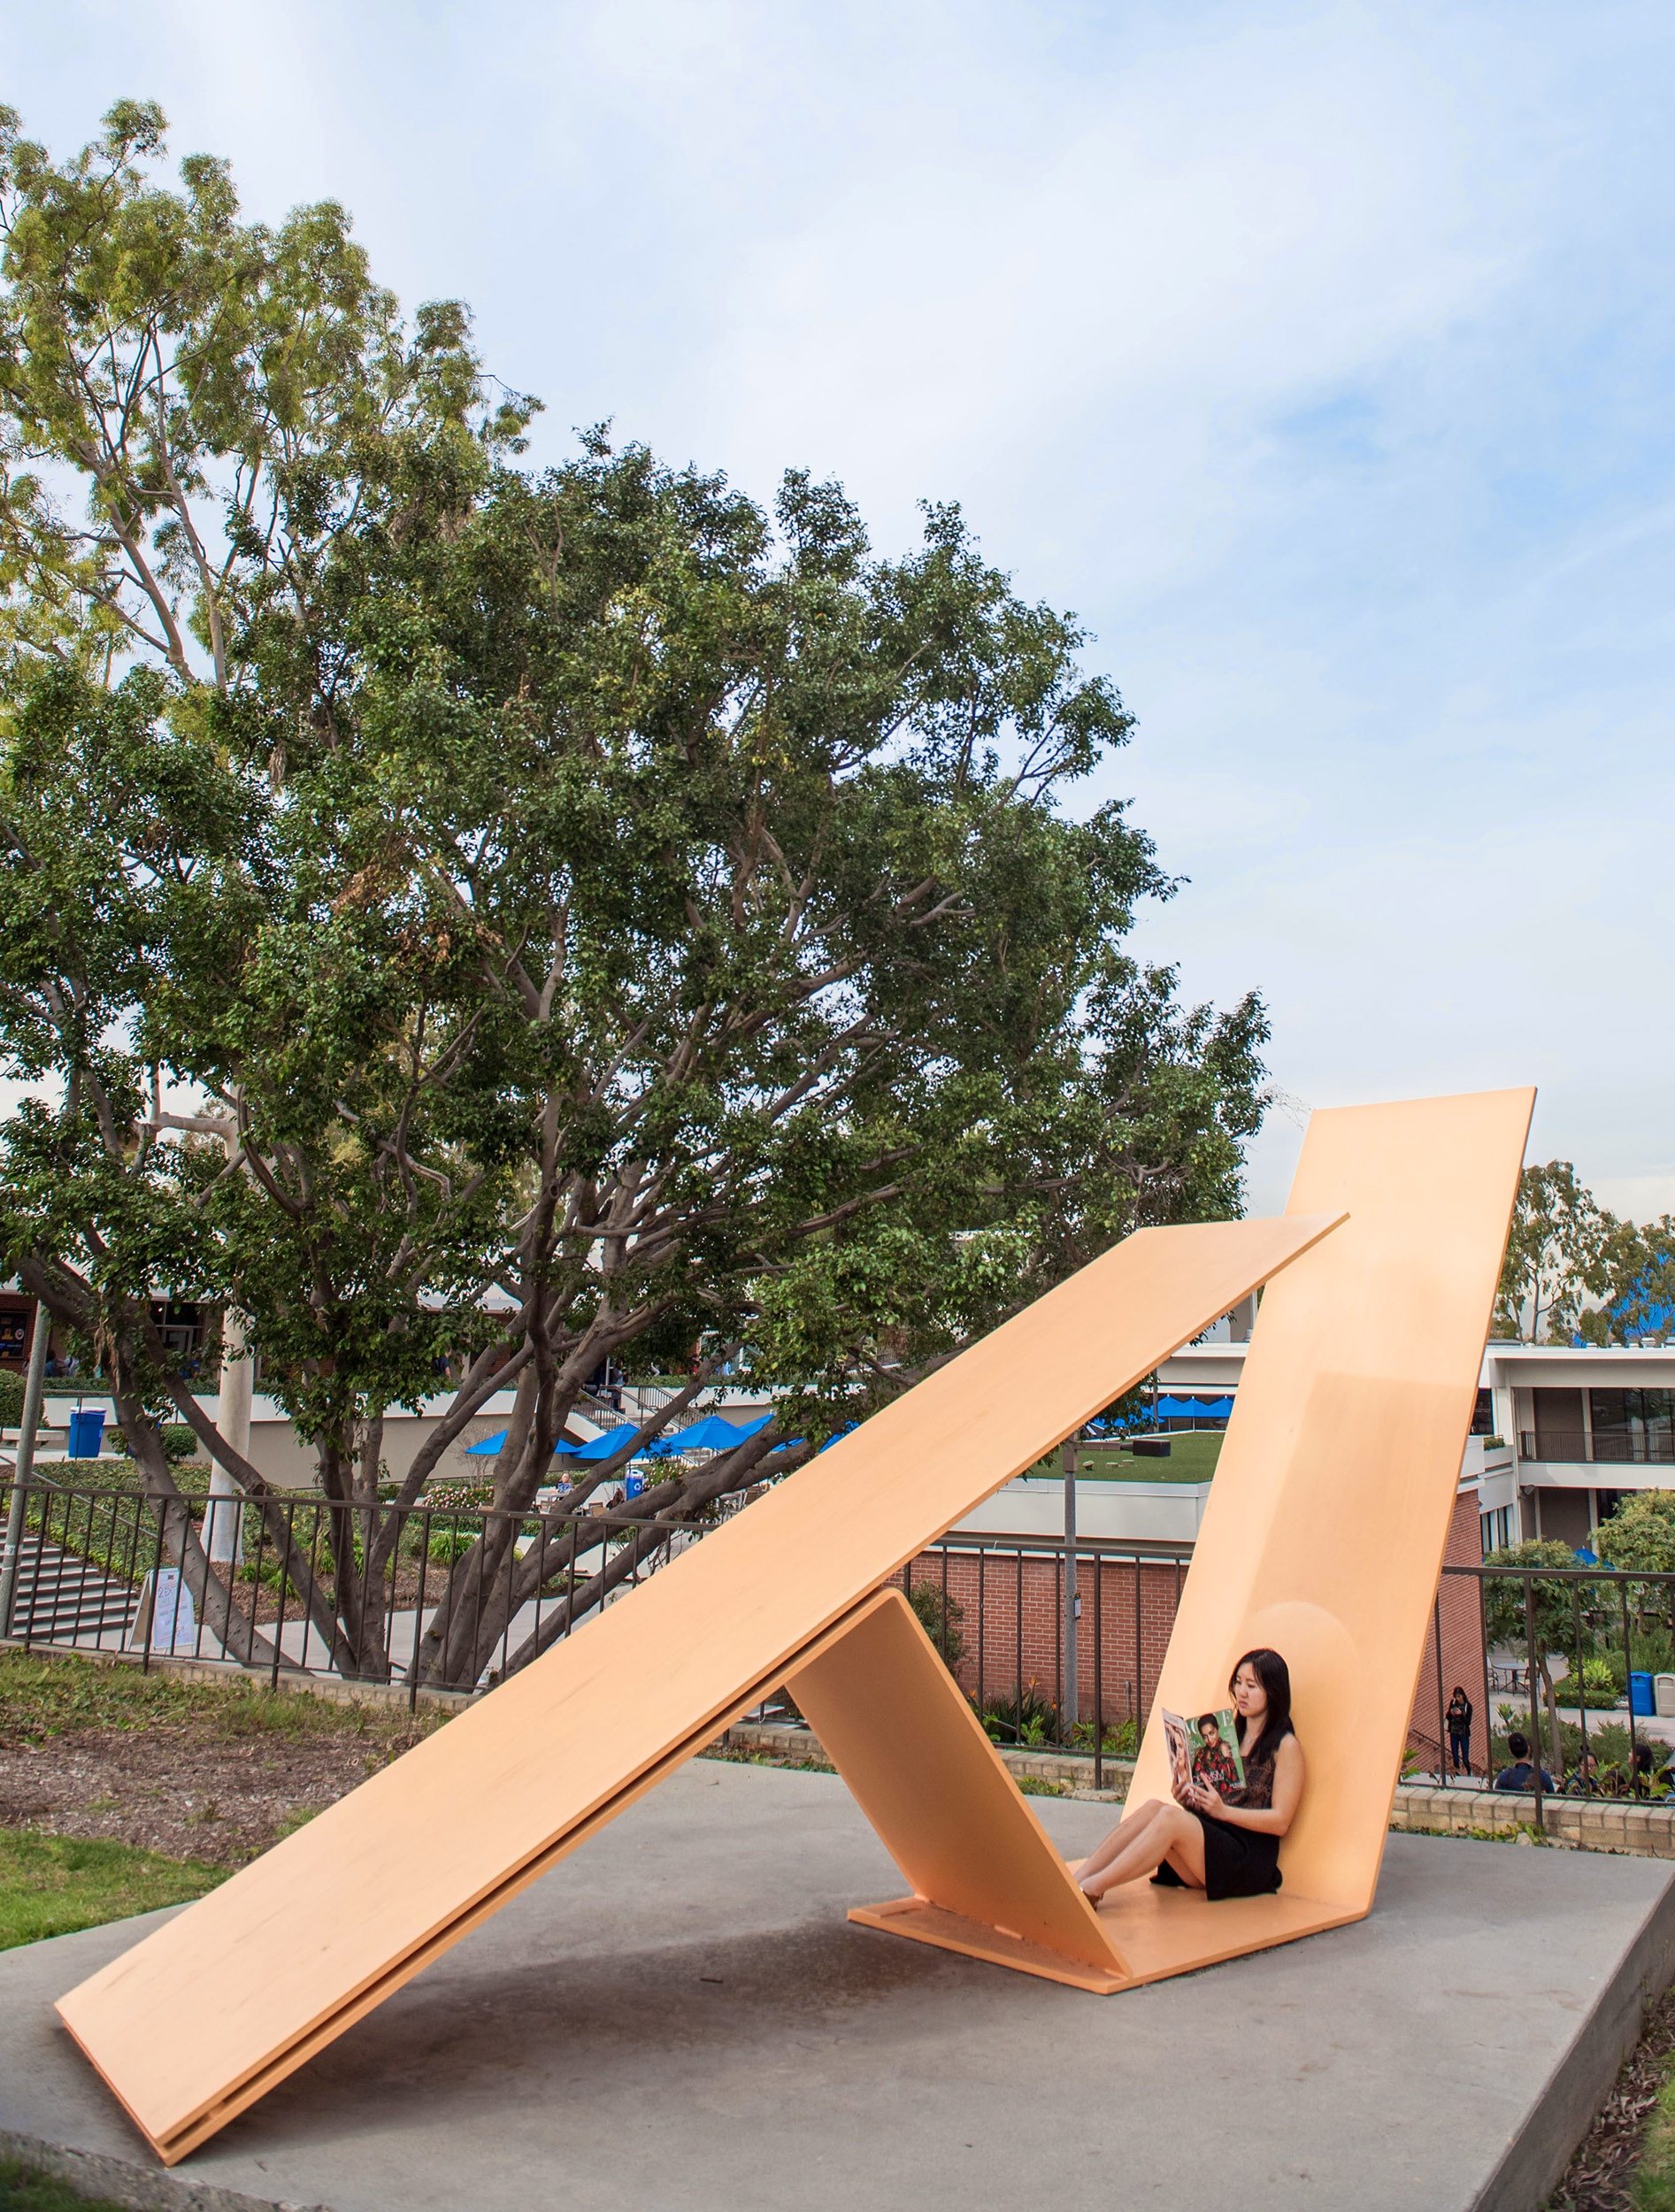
[504,922]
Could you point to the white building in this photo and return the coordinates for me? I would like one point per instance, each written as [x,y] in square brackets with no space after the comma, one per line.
[1560,1432]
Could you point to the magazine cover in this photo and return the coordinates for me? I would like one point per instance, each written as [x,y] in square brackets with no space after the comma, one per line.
[1204,1751]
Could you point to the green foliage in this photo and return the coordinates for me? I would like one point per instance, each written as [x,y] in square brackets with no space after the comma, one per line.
[593,883]
[1653,2186]
[1640,1535]
[10,1398]
[448,1545]
[1122,1740]
[939,1614]
[1559,1251]
[180,1442]
[1638,1294]
[1550,1606]
[1028,1720]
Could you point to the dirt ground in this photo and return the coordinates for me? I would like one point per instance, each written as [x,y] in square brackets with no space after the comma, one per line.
[194,1771]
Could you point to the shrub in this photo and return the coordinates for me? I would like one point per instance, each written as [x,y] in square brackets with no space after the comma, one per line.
[180,1442]
[940,1617]
[448,1544]
[1029,1719]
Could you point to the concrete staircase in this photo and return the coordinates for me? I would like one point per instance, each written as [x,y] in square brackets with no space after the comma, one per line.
[64,1599]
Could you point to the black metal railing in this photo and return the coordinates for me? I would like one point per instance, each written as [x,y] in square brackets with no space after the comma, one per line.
[1582,1448]
[442,1595]
[451,1595]
[1528,1635]
[431,1596]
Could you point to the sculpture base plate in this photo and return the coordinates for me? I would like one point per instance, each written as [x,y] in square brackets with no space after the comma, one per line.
[1158,1933]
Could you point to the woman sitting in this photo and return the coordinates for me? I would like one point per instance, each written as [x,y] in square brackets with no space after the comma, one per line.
[1224,1842]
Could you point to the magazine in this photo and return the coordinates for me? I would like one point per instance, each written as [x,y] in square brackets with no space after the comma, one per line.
[1204,1752]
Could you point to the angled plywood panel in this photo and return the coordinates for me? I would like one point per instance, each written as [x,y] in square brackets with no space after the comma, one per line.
[902,1734]
[1324,1530]
[205,2015]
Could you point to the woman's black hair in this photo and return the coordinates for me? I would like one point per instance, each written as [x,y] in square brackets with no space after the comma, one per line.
[1459,1691]
[1275,1678]
[1208,1720]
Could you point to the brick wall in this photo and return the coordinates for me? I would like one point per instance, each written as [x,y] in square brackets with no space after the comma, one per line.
[1011,1627]
[1457,1630]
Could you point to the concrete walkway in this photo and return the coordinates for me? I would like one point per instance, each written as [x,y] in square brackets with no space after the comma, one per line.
[679,2018]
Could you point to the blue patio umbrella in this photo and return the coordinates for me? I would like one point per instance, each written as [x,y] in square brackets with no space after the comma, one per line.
[608,1445]
[711,1434]
[493,1445]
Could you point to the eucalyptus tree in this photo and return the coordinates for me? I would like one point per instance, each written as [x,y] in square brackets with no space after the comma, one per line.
[609,920]
[1559,1253]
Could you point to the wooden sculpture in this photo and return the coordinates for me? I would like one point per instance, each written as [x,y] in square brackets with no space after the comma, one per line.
[1323,1535]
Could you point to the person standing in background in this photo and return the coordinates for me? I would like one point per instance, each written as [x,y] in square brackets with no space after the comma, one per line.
[1459,1717]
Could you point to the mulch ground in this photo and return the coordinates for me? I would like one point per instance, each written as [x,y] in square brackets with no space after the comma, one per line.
[192,1770]
[1601,2176]
[170,1790]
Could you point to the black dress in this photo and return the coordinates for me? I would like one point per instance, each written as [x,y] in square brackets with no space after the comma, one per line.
[1238,1861]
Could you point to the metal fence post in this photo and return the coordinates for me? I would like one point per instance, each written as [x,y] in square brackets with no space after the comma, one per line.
[1530,1678]
[1071,1711]
[24,1466]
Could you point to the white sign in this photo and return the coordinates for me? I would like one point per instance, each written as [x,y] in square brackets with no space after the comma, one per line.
[166,1619]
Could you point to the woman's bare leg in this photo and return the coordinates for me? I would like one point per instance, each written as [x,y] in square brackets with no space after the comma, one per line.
[1122,1835]
[1172,1834]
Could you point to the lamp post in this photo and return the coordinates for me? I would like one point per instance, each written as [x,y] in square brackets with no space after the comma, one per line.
[1073,1602]
[24,1466]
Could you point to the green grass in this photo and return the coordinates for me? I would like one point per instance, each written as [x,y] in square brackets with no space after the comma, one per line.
[41,1698]
[1655,2181]
[24,2190]
[52,1885]
[1192,1458]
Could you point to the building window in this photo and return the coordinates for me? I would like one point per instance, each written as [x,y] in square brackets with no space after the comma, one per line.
[1483,1419]
[1634,1427]
[1496,1528]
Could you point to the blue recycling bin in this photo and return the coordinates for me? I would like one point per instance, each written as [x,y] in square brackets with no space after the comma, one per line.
[632,1485]
[1639,1695]
[86,1435]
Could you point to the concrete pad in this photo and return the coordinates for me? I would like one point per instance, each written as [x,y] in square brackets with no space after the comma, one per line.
[680,2016]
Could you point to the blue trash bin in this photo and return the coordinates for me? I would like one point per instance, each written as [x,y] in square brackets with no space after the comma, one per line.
[634,1485]
[1639,1695]
[86,1435]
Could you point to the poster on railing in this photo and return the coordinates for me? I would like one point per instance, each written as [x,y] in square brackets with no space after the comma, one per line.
[165,1620]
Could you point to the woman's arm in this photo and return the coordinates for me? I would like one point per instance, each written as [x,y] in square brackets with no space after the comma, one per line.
[1266,1820]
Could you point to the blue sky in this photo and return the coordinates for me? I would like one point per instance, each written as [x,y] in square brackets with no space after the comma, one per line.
[1319,356]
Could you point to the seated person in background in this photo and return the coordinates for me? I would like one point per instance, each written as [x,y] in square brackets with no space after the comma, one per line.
[1583,1780]
[1520,1775]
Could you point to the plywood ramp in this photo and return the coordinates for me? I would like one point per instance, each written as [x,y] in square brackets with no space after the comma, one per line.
[212,2009]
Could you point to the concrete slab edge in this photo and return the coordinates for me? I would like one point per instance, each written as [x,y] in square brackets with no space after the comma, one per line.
[1581,2078]
[137,2188]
